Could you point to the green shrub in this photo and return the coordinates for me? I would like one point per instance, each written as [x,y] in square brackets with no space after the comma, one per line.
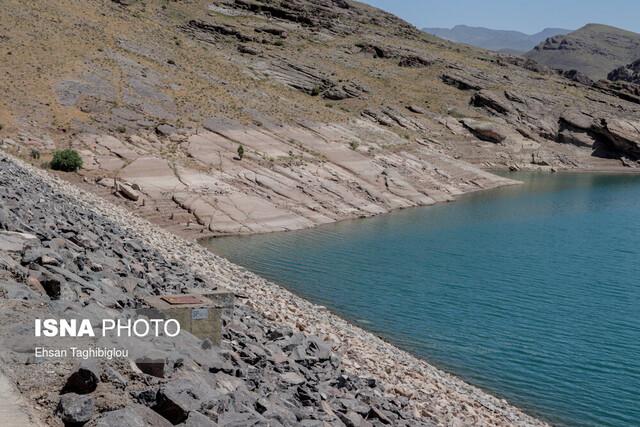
[67,160]
[316,91]
[240,152]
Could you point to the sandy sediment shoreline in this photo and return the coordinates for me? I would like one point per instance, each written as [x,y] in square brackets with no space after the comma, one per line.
[433,394]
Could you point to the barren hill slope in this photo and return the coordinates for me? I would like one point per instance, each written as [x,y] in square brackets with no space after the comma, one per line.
[593,50]
[498,40]
[342,110]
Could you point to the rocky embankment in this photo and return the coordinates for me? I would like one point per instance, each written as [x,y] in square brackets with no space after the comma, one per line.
[283,361]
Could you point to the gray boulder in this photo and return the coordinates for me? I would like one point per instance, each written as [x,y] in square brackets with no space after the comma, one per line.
[83,380]
[196,419]
[131,416]
[128,191]
[485,130]
[176,399]
[581,139]
[621,135]
[415,109]
[114,377]
[577,76]
[352,419]
[11,241]
[492,101]
[576,119]
[461,82]
[74,409]
[271,409]
[154,365]
[165,130]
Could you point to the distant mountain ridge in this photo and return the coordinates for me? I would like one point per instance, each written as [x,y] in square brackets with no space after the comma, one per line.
[594,50]
[498,40]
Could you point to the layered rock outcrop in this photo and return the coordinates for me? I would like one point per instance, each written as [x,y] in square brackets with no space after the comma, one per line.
[289,177]
[629,73]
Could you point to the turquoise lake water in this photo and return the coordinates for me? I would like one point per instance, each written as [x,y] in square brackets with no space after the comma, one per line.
[531,292]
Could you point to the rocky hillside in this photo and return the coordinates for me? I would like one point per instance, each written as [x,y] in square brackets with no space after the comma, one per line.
[342,110]
[629,73]
[498,40]
[594,50]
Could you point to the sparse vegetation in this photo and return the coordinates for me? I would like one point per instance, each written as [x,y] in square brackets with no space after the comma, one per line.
[240,152]
[67,160]
[316,91]
[354,145]
[35,154]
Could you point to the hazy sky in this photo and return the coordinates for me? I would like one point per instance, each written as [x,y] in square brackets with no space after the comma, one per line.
[527,16]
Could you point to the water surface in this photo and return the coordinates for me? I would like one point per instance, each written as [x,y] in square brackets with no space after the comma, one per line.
[531,292]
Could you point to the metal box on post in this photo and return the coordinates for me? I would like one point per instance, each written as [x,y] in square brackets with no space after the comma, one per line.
[196,314]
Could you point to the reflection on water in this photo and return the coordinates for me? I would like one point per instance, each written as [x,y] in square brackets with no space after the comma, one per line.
[530,291]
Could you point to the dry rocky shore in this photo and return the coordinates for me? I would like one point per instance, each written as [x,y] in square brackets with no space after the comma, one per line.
[343,111]
[283,361]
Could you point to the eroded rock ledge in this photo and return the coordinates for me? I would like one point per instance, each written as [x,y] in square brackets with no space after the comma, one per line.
[290,177]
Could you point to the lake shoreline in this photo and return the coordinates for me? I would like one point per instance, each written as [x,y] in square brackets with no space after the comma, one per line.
[432,393]
[502,172]
[441,282]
